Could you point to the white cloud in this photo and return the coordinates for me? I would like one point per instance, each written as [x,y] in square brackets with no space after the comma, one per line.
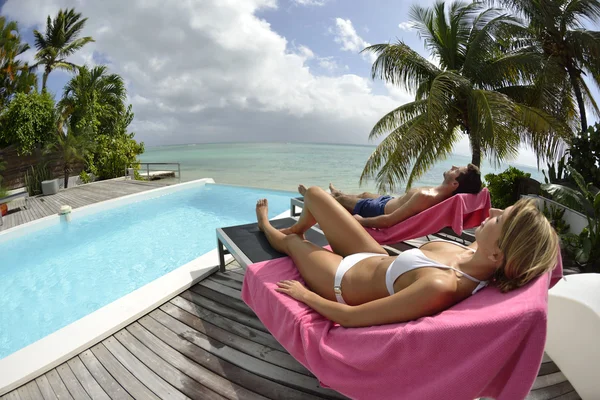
[346,35]
[405,26]
[310,2]
[214,71]
[331,65]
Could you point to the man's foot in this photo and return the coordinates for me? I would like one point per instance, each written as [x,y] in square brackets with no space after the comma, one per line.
[262,213]
[333,190]
[302,189]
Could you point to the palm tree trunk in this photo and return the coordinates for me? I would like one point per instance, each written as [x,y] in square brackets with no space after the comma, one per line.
[66,175]
[45,79]
[475,149]
[574,77]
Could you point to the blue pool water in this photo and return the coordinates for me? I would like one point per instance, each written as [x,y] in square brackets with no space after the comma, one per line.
[54,276]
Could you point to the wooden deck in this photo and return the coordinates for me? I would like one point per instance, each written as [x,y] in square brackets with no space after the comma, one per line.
[78,196]
[204,344]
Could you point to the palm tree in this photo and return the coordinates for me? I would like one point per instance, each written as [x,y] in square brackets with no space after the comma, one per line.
[94,99]
[570,52]
[15,75]
[72,147]
[458,96]
[59,42]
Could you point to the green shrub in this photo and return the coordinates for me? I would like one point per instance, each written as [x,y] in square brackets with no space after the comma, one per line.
[503,186]
[34,177]
[84,177]
[28,122]
[584,154]
[113,154]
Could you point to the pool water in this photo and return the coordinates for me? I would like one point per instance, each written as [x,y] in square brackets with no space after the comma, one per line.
[54,276]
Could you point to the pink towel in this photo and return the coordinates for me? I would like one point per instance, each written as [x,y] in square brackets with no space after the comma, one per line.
[490,344]
[461,211]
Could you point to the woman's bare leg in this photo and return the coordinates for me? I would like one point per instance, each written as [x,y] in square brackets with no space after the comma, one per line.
[316,265]
[343,232]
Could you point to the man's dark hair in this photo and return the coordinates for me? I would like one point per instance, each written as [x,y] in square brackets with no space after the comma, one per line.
[470,181]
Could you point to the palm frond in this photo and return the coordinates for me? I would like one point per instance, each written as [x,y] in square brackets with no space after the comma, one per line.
[397,117]
[399,65]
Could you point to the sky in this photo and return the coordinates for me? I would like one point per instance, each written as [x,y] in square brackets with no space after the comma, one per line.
[200,71]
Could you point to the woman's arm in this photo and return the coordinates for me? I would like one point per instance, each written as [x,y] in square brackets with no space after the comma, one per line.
[427,296]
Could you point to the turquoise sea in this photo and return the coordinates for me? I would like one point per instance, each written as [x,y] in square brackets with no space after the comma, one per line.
[283,166]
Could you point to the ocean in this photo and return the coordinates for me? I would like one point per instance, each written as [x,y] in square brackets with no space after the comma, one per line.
[282,166]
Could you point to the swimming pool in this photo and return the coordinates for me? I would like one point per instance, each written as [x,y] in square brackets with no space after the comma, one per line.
[53,276]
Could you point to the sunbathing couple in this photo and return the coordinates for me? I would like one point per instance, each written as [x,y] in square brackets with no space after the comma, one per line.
[359,284]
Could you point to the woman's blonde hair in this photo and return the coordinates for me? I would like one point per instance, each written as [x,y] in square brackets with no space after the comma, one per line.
[529,244]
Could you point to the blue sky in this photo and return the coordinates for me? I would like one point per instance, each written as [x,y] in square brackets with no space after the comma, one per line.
[251,70]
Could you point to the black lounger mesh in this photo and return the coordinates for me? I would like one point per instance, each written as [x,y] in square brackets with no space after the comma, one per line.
[253,243]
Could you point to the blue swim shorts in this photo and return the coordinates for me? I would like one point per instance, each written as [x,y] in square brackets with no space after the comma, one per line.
[371,207]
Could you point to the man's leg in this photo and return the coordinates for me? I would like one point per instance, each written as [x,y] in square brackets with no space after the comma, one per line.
[367,195]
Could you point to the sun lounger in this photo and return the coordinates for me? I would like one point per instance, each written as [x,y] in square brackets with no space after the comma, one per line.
[249,245]
[14,197]
[459,212]
[489,345]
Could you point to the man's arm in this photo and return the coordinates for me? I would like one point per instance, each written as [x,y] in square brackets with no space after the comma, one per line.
[417,203]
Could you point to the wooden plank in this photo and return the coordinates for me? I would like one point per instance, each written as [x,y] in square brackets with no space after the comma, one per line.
[222,298]
[30,391]
[546,358]
[550,392]
[242,360]
[568,396]
[256,350]
[221,288]
[235,277]
[59,388]
[548,380]
[45,388]
[227,370]
[104,379]
[14,395]
[170,374]
[86,379]
[548,368]
[121,374]
[225,311]
[140,371]
[192,369]
[226,281]
[229,325]
[73,385]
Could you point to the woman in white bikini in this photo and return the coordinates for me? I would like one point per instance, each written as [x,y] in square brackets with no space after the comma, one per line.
[359,284]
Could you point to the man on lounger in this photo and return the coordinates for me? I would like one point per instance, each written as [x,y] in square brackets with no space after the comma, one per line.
[375,211]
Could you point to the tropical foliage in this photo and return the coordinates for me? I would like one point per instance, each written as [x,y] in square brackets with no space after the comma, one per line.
[94,100]
[86,127]
[586,199]
[584,154]
[60,41]
[15,75]
[478,87]
[555,31]
[72,148]
[28,122]
[503,186]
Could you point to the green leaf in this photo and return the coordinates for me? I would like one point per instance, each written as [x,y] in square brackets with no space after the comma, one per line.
[568,197]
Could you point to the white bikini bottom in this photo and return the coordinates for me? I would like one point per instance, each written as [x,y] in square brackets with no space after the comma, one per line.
[345,265]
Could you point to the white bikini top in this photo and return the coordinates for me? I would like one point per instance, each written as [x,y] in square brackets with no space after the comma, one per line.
[414,258]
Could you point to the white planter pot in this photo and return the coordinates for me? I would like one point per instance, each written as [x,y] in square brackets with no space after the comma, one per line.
[50,187]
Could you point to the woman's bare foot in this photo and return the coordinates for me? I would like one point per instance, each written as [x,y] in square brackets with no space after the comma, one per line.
[333,190]
[302,189]
[262,213]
